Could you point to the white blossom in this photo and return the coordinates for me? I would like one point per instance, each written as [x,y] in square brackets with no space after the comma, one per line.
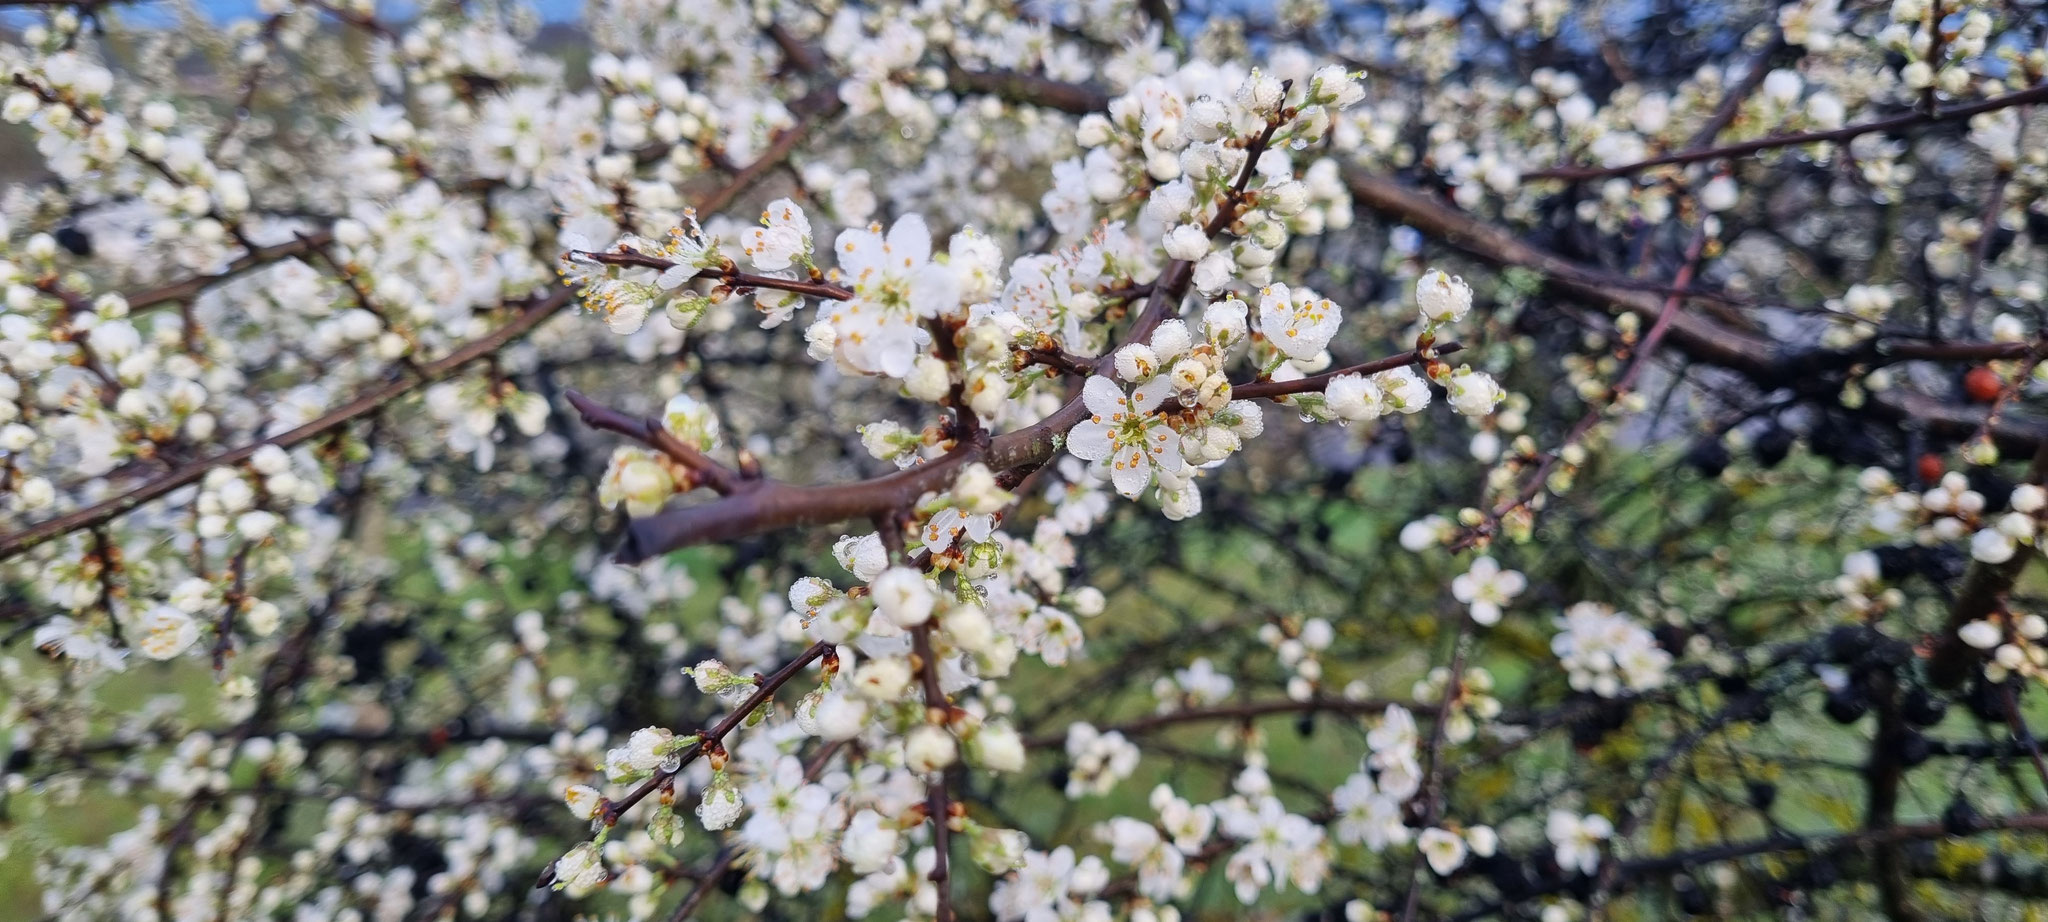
[1577,839]
[1297,322]
[1487,588]
[1445,850]
[1443,298]
[1124,430]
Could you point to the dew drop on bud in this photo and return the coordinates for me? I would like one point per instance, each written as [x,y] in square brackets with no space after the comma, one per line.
[1299,144]
[1188,398]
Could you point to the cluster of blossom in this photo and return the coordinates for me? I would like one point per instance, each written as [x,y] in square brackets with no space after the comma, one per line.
[1466,707]
[1369,804]
[867,693]
[1951,511]
[1483,134]
[1299,646]
[477,851]
[896,291]
[1097,760]
[105,385]
[1145,439]
[1862,587]
[2017,643]
[1200,684]
[1269,847]
[1606,652]
[643,479]
[317,270]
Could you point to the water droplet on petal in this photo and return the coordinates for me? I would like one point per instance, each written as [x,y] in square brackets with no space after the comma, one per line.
[1188,398]
[1299,144]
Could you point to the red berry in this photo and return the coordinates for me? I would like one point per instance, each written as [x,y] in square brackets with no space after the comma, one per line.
[1931,468]
[1982,384]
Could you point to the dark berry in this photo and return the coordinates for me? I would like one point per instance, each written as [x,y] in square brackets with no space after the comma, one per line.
[1772,446]
[1996,490]
[1691,899]
[1894,563]
[1847,643]
[1922,708]
[1913,749]
[74,240]
[1960,819]
[1708,456]
[1846,706]
[1986,700]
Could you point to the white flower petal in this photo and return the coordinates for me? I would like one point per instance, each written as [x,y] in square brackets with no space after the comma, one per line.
[1102,397]
[910,242]
[1089,440]
[1131,473]
[1151,394]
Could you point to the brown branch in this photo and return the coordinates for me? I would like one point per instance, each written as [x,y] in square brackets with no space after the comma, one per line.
[706,882]
[1058,360]
[1761,360]
[93,119]
[1433,762]
[715,737]
[1882,776]
[224,628]
[805,58]
[364,300]
[1254,390]
[649,431]
[1244,712]
[1534,485]
[189,288]
[757,506]
[732,276]
[1935,39]
[1987,221]
[1765,362]
[1959,352]
[1731,106]
[936,795]
[1028,89]
[252,80]
[1913,119]
[819,106]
